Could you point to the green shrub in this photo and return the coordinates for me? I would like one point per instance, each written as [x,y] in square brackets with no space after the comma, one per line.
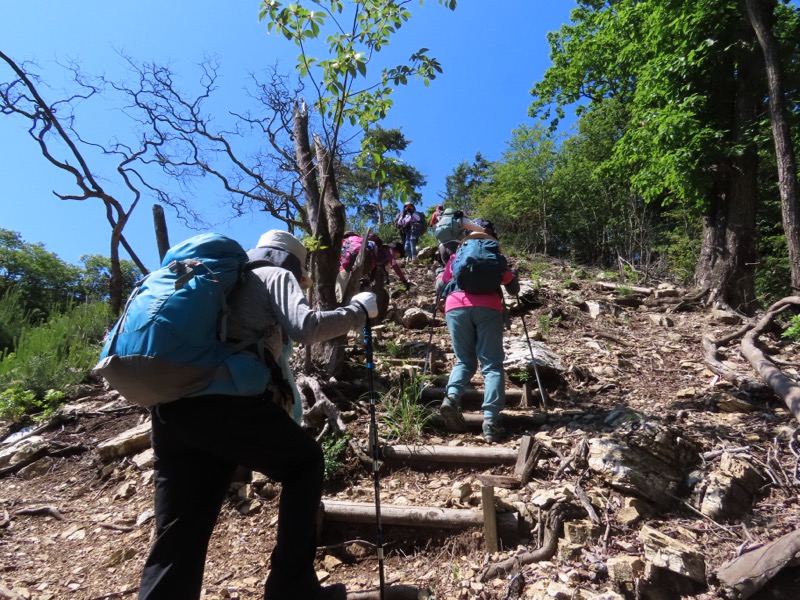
[793,331]
[16,402]
[14,319]
[774,272]
[56,354]
[544,325]
[394,348]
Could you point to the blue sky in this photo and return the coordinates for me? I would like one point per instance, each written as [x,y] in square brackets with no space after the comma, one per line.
[491,54]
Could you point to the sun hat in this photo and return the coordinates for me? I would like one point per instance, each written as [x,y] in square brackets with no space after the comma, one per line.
[283,240]
[478,235]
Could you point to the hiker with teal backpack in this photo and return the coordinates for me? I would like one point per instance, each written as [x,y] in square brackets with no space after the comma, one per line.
[451,227]
[238,404]
[473,305]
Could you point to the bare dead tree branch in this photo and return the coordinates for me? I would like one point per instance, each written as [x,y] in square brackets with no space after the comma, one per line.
[21,97]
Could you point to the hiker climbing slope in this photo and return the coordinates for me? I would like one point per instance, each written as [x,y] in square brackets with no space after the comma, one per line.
[199,441]
[471,286]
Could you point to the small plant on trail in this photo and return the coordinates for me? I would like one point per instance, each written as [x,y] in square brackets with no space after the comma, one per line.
[520,377]
[625,291]
[404,416]
[334,451]
[394,348]
[544,326]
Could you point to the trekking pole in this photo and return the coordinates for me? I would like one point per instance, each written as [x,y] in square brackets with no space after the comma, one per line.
[373,436]
[533,360]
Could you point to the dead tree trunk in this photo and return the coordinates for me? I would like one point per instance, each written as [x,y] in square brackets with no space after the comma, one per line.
[326,216]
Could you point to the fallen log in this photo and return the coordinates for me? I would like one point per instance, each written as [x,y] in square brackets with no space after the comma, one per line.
[744,575]
[480,455]
[608,285]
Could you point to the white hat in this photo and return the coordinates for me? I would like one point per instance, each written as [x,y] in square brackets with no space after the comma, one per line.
[283,240]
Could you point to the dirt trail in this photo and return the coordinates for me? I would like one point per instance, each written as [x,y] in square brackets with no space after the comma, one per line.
[77,526]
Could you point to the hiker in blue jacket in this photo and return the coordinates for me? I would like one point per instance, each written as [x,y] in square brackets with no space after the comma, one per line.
[199,441]
[475,323]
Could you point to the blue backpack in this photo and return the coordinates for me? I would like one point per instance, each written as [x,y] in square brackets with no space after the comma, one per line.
[170,341]
[478,267]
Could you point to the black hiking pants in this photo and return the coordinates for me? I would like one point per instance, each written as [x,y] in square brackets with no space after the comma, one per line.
[198,443]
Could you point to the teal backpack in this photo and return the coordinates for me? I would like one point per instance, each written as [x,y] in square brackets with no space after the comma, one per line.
[170,341]
[478,267]
[449,227]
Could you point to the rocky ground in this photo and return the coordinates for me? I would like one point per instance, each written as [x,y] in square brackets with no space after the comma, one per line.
[646,474]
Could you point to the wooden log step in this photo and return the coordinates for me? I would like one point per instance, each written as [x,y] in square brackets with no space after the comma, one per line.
[337,511]
[470,396]
[392,592]
[511,419]
[477,455]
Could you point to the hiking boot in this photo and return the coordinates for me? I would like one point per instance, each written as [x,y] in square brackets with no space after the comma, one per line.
[451,413]
[493,431]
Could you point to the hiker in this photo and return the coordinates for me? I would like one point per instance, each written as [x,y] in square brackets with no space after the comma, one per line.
[412,225]
[451,227]
[388,255]
[436,214]
[199,441]
[376,255]
[488,227]
[351,248]
[475,323]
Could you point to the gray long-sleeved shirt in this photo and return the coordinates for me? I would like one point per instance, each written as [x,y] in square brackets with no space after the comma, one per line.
[270,305]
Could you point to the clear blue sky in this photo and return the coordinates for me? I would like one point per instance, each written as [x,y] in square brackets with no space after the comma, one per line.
[491,53]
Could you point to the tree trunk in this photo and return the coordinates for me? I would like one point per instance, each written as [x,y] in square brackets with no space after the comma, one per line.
[760,13]
[728,255]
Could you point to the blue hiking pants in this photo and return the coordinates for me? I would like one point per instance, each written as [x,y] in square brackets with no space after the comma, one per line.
[411,245]
[477,335]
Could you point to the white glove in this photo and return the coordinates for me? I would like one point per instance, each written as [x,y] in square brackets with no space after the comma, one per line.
[368,302]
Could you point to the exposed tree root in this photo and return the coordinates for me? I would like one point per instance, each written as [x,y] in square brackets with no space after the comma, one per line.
[323,413]
[552,527]
[711,348]
[783,386]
